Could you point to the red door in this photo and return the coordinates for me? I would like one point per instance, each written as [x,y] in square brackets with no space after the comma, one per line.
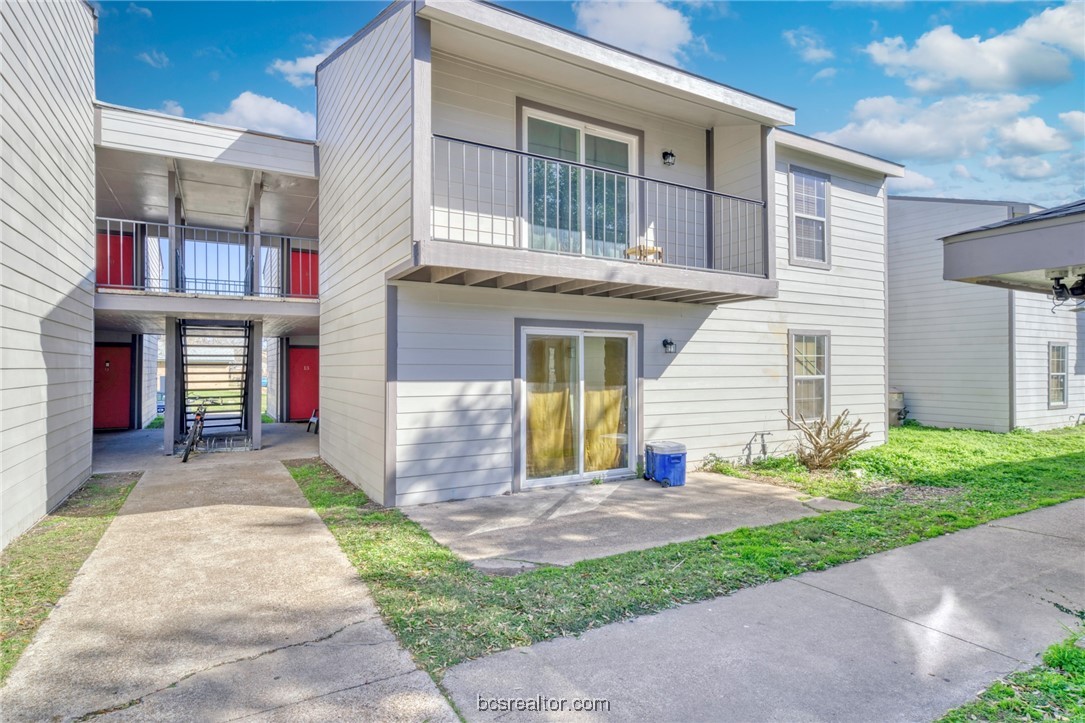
[116,260]
[304,365]
[303,274]
[112,387]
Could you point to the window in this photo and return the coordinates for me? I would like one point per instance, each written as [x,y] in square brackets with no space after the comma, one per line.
[809,218]
[1057,358]
[809,374]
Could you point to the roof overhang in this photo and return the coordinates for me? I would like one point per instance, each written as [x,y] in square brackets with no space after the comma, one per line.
[838,153]
[1022,257]
[141,131]
[490,22]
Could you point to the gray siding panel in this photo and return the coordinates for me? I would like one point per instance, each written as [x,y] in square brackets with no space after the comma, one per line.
[46,257]
[364,126]
[948,341]
[1034,327]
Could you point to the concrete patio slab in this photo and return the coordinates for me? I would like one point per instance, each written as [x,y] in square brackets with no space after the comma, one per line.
[217,592]
[900,636]
[560,526]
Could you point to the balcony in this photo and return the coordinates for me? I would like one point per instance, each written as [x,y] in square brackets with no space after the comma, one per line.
[510,219]
[148,272]
[160,258]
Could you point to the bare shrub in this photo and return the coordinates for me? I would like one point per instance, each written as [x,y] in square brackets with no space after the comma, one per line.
[824,442]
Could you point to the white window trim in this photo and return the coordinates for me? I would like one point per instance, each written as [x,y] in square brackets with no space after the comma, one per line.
[585,128]
[794,258]
[791,376]
[1065,374]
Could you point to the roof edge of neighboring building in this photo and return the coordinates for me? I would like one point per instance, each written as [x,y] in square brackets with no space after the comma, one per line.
[849,156]
[963,201]
[197,122]
[1049,216]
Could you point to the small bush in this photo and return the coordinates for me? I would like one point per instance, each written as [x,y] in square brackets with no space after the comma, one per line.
[827,443]
[1067,656]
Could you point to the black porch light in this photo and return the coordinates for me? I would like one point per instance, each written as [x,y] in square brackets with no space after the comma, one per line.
[669,347]
[669,159]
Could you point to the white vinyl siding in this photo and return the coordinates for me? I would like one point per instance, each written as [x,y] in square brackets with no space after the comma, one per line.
[1035,329]
[365,130]
[810,217]
[728,381]
[149,383]
[948,341]
[47,247]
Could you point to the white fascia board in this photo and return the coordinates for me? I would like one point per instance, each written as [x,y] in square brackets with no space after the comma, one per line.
[838,153]
[516,29]
[1074,231]
[160,134]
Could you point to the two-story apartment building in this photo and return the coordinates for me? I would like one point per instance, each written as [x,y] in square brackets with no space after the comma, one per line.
[993,356]
[539,252]
[536,252]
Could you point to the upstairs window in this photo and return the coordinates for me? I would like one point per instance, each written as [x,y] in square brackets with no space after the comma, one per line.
[1057,366]
[809,218]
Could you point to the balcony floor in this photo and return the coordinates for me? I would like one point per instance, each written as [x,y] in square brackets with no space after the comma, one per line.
[145,312]
[468,264]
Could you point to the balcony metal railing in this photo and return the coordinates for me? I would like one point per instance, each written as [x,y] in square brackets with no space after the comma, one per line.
[189,259]
[495,196]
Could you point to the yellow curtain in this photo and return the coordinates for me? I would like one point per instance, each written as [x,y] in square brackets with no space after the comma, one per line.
[550,434]
[602,419]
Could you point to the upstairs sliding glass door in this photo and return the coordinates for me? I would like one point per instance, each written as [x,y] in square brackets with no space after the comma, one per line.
[572,209]
[577,405]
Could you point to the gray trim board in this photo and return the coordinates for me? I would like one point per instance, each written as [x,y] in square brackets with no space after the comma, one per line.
[517,380]
[793,258]
[391,375]
[791,334]
[768,191]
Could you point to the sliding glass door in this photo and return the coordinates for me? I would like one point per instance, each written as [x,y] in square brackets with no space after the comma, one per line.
[577,416]
[570,208]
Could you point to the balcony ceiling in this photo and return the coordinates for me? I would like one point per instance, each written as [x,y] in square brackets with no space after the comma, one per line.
[133,186]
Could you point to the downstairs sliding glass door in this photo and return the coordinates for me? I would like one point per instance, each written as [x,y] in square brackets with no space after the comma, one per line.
[577,412]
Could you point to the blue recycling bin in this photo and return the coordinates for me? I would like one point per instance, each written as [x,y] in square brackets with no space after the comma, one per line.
[665,462]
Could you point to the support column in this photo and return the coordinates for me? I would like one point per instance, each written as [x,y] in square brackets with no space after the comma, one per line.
[254,249]
[256,373]
[173,216]
[171,416]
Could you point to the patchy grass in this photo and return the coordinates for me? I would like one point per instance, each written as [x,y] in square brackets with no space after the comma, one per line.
[445,611]
[36,568]
[157,423]
[267,418]
[1052,691]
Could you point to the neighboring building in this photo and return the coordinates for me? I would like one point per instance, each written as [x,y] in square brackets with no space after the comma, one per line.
[488,183]
[537,252]
[977,356]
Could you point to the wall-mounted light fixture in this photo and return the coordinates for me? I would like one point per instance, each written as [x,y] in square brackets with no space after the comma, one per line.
[669,347]
[669,159]
[1059,290]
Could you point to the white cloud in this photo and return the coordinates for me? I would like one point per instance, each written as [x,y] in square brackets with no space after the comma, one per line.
[155,59]
[824,74]
[809,45]
[911,181]
[1074,122]
[650,28]
[172,107]
[1031,135]
[300,72]
[1020,168]
[947,129]
[134,9]
[258,112]
[960,171]
[1034,53]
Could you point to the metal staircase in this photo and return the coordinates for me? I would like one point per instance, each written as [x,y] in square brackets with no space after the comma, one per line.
[215,358]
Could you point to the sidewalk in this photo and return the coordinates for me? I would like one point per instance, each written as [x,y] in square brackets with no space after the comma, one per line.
[217,593]
[901,636]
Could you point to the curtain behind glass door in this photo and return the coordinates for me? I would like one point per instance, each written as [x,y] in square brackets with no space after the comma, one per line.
[553,416]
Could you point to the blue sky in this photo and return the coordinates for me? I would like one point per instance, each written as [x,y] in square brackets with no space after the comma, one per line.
[978,99]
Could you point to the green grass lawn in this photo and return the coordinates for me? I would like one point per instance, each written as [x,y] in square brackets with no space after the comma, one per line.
[1052,691]
[36,568]
[923,483]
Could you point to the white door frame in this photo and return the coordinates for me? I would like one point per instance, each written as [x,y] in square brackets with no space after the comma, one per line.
[632,415]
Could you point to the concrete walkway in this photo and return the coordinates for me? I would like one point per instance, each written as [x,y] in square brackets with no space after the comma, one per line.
[217,594]
[900,636]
